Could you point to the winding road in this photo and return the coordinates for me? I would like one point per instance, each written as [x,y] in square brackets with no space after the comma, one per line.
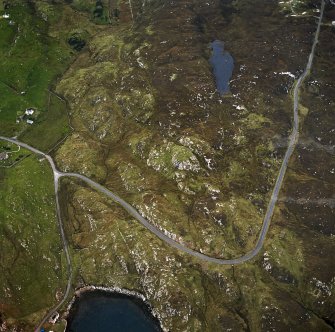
[133,212]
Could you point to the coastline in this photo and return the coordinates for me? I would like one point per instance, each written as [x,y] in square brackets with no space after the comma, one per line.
[134,296]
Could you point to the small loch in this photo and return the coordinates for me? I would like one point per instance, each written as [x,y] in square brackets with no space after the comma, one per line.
[223,64]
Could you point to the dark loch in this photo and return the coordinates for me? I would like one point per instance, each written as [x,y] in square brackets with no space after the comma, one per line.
[99,311]
[223,64]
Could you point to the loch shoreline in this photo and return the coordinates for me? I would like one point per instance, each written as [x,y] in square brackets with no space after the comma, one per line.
[91,291]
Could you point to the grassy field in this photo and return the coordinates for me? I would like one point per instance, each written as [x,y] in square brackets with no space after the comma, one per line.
[31,60]
[51,126]
[31,271]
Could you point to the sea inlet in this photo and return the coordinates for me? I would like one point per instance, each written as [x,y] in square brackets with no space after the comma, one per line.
[100,311]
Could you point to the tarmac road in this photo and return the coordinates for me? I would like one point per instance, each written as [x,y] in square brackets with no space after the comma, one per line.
[132,211]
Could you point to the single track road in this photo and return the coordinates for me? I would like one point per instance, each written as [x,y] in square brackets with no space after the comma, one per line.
[293,139]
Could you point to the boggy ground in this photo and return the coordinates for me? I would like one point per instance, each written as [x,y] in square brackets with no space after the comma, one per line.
[149,125]
[199,165]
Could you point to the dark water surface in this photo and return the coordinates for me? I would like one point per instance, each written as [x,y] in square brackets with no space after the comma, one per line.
[102,312]
[223,65]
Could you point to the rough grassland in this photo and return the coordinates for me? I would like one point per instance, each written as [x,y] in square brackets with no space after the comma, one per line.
[31,270]
[149,126]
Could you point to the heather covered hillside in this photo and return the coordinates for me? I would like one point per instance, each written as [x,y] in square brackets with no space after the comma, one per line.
[124,92]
